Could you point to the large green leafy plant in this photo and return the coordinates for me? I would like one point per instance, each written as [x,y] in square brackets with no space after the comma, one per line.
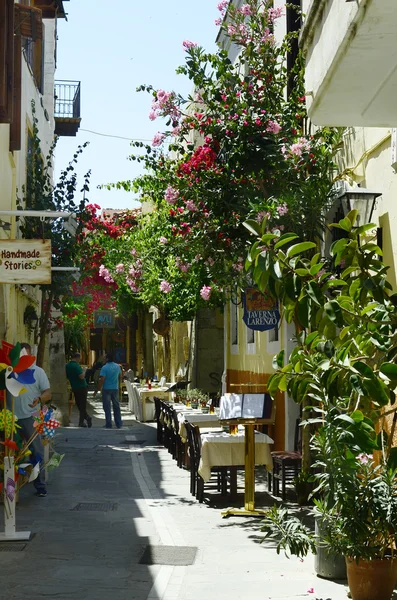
[342,371]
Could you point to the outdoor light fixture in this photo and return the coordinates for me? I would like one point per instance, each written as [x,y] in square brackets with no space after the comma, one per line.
[30,317]
[362,200]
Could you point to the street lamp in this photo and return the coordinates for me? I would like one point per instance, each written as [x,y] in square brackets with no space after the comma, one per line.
[30,317]
[360,199]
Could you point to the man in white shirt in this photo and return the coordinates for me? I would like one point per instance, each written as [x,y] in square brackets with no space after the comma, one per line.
[38,393]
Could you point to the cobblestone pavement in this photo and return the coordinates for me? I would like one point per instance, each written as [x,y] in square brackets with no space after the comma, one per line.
[116,493]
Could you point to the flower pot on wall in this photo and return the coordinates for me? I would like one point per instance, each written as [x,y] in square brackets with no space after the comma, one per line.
[371,579]
[328,565]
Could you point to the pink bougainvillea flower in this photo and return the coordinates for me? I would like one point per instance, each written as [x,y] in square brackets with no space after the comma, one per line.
[163,240]
[273,127]
[364,458]
[120,268]
[105,273]
[275,13]
[205,292]
[187,45]
[171,195]
[165,286]
[245,9]
[190,205]
[282,209]
[158,139]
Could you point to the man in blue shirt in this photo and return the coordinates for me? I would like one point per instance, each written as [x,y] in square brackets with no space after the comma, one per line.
[109,383]
[25,405]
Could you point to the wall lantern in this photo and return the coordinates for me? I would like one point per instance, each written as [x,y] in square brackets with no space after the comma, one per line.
[362,200]
[30,317]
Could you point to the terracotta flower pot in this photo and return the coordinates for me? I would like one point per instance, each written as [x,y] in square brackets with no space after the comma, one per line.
[371,579]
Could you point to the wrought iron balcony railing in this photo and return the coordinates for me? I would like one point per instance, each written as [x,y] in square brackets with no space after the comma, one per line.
[67,107]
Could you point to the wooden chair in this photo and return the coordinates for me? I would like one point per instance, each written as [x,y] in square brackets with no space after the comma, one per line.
[179,446]
[192,456]
[286,466]
[159,421]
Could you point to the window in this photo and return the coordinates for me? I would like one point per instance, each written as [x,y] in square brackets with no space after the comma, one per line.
[274,335]
[294,22]
[250,341]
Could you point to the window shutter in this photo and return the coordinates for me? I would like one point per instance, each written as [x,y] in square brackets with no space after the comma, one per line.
[6,59]
[15,128]
[28,22]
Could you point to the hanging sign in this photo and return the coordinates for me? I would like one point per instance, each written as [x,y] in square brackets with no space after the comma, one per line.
[260,311]
[104,318]
[25,261]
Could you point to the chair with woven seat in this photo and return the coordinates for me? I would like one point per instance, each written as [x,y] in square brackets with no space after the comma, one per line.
[286,466]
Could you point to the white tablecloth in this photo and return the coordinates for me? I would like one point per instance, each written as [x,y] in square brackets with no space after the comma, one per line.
[146,398]
[224,450]
[196,418]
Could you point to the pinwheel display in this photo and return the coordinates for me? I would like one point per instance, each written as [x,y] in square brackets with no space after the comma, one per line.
[14,370]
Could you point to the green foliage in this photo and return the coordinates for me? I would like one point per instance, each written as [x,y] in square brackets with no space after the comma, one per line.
[289,533]
[342,371]
[40,194]
[238,150]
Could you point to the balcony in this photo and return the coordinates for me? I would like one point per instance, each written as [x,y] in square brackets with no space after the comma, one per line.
[351,62]
[51,9]
[67,107]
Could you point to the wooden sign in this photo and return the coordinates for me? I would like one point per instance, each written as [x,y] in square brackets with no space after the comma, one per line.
[25,261]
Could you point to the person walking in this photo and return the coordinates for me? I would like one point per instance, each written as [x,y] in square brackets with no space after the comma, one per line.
[109,383]
[76,375]
[37,393]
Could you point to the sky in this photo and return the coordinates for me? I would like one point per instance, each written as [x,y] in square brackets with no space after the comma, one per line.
[112,48]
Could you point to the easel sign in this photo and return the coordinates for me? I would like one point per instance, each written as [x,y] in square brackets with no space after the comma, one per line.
[249,410]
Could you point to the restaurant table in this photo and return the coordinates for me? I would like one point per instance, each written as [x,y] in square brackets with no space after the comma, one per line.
[196,418]
[224,450]
[146,398]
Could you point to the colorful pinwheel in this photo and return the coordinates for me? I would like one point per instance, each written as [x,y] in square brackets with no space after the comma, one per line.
[44,424]
[15,370]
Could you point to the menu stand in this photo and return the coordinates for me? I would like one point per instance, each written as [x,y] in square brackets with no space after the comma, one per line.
[249,491]
[249,442]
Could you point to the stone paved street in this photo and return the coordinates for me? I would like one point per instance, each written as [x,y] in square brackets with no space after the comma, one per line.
[94,555]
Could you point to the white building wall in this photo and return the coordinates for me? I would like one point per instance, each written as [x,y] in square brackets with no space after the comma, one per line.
[13,175]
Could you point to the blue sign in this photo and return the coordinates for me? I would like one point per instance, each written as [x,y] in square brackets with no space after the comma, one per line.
[260,311]
[104,319]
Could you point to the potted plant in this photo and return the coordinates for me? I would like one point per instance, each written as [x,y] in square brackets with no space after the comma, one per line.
[303,487]
[196,397]
[181,396]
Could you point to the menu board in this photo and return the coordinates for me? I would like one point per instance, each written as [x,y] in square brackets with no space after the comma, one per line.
[245,406]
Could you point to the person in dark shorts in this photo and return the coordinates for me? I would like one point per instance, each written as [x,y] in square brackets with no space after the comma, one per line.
[76,375]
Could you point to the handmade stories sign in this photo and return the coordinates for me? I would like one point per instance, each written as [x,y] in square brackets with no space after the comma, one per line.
[260,311]
[104,318]
[25,261]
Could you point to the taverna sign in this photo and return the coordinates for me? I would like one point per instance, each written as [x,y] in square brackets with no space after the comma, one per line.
[260,311]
